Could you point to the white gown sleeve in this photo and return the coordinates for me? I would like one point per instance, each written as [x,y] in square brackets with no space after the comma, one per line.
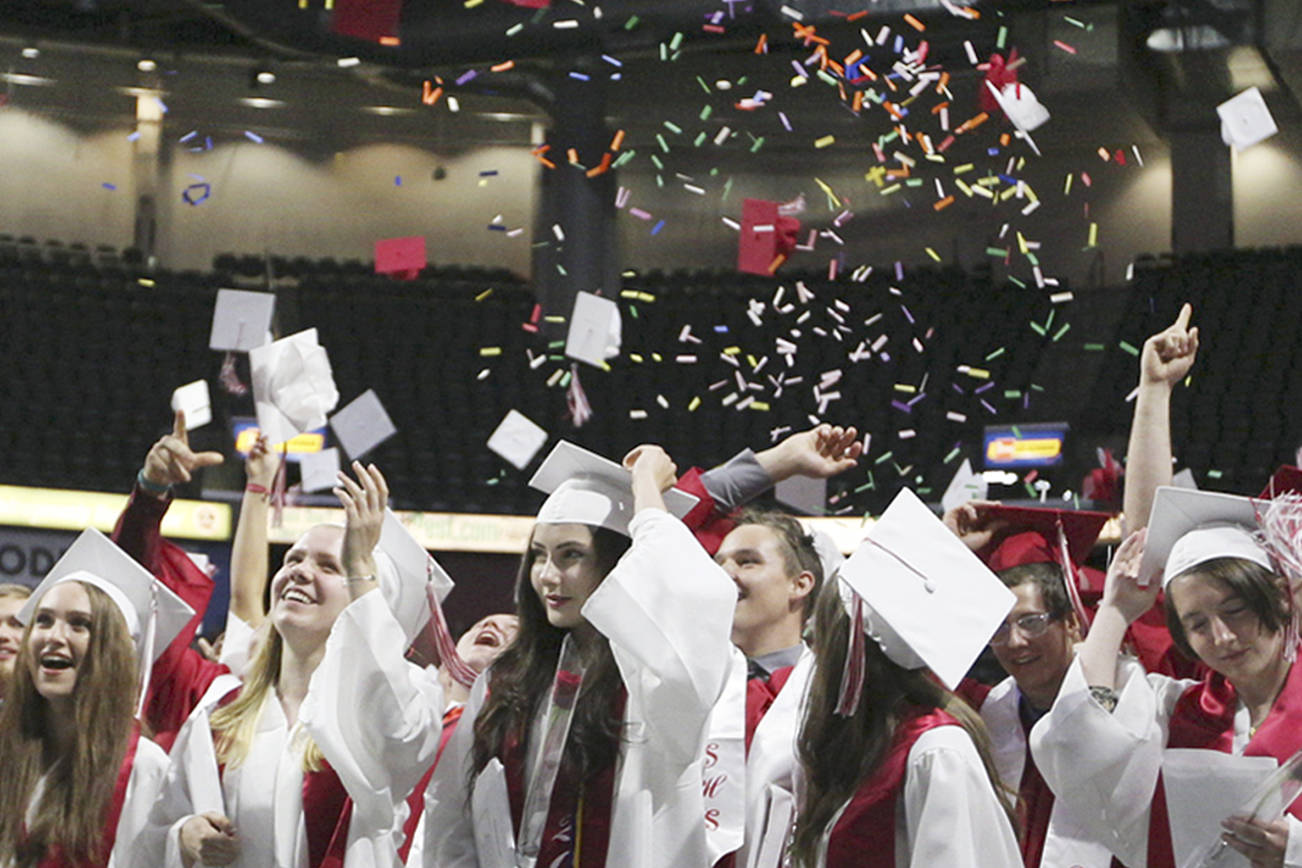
[148,771]
[1103,766]
[1293,849]
[377,719]
[191,785]
[951,813]
[449,833]
[667,610]
[237,643]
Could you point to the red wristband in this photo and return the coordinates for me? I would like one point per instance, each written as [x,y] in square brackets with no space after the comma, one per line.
[254,488]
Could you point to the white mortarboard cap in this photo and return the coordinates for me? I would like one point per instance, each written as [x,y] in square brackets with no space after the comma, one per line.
[403,570]
[94,559]
[193,400]
[1187,528]
[1245,119]
[805,494]
[928,599]
[595,330]
[1018,114]
[1185,479]
[293,386]
[1023,109]
[587,488]
[829,555]
[362,425]
[241,319]
[966,485]
[319,470]
[517,439]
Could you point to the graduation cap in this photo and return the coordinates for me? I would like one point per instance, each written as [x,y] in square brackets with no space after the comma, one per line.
[153,613]
[363,424]
[1033,535]
[966,485]
[595,331]
[401,257]
[415,585]
[319,470]
[587,488]
[927,600]
[241,320]
[517,439]
[293,386]
[193,400]
[1245,119]
[1287,479]
[765,235]
[1188,528]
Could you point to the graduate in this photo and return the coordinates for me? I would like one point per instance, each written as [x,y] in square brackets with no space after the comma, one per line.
[778,571]
[1101,747]
[582,743]
[1031,550]
[895,770]
[79,776]
[12,598]
[309,762]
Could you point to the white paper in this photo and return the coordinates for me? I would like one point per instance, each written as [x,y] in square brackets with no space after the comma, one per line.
[1245,119]
[193,400]
[319,470]
[966,485]
[1203,787]
[362,425]
[241,319]
[491,808]
[293,386]
[517,439]
[595,330]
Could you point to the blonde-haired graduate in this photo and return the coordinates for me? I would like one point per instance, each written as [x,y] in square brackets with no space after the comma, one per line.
[79,777]
[308,764]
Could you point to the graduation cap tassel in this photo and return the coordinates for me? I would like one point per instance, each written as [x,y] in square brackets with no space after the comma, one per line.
[1070,580]
[576,400]
[1281,534]
[229,379]
[147,643]
[447,649]
[847,699]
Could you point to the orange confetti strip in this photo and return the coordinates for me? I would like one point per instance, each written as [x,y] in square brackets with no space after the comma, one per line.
[852,57]
[914,23]
[601,168]
[840,88]
[943,84]
[430,95]
[894,110]
[855,16]
[944,203]
[1004,140]
[762,44]
[503,66]
[974,122]
[836,68]
[617,142]
[865,72]
[936,109]
[777,263]
[546,162]
[390,41]
[858,101]
[541,149]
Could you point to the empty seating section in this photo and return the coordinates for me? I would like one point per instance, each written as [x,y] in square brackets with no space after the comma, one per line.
[94,347]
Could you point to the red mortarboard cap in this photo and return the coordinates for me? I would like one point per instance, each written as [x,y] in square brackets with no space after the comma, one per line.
[401,257]
[764,235]
[1286,479]
[1030,535]
[372,20]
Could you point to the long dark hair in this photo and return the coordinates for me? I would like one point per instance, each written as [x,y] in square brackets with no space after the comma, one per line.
[838,753]
[80,784]
[523,674]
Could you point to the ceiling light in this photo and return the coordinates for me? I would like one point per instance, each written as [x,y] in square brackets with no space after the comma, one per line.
[22,78]
[264,76]
[144,64]
[387,110]
[31,52]
[346,62]
[261,102]
[139,91]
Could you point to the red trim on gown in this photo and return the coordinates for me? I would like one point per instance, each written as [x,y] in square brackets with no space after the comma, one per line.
[56,858]
[705,520]
[559,833]
[864,835]
[416,801]
[1204,718]
[180,675]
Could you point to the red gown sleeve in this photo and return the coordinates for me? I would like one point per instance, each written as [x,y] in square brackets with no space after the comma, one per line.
[707,522]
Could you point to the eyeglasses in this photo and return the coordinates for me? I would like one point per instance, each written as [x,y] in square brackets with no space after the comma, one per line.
[1030,626]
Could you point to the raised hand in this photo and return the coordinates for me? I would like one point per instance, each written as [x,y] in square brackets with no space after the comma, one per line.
[822,451]
[1121,588]
[364,501]
[261,465]
[171,461]
[650,462]
[208,839]
[971,523]
[1168,355]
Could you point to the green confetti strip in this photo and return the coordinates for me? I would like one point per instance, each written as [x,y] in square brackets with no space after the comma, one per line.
[1130,348]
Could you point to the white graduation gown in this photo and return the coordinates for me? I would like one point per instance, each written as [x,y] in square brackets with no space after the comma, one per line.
[667,609]
[376,719]
[947,814]
[1106,764]
[1067,843]
[148,769]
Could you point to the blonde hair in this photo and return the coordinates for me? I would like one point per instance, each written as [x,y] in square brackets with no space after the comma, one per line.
[17,592]
[236,723]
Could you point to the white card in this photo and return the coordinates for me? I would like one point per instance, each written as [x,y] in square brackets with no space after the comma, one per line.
[517,439]
[193,400]
[241,319]
[362,425]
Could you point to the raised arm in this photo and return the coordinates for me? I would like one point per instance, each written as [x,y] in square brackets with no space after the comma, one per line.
[653,472]
[821,452]
[1123,601]
[1165,360]
[249,566]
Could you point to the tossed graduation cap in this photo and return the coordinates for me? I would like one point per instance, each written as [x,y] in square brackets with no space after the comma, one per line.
[319,470]
[362,425]
[241,320]
[193,400]
[595,331]
[153,613]
[1285,480]
[1188,528]
[293,385]
[401,257]
[1245,119]
[765,234]
[927,599]
[517,439]
[587,488]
